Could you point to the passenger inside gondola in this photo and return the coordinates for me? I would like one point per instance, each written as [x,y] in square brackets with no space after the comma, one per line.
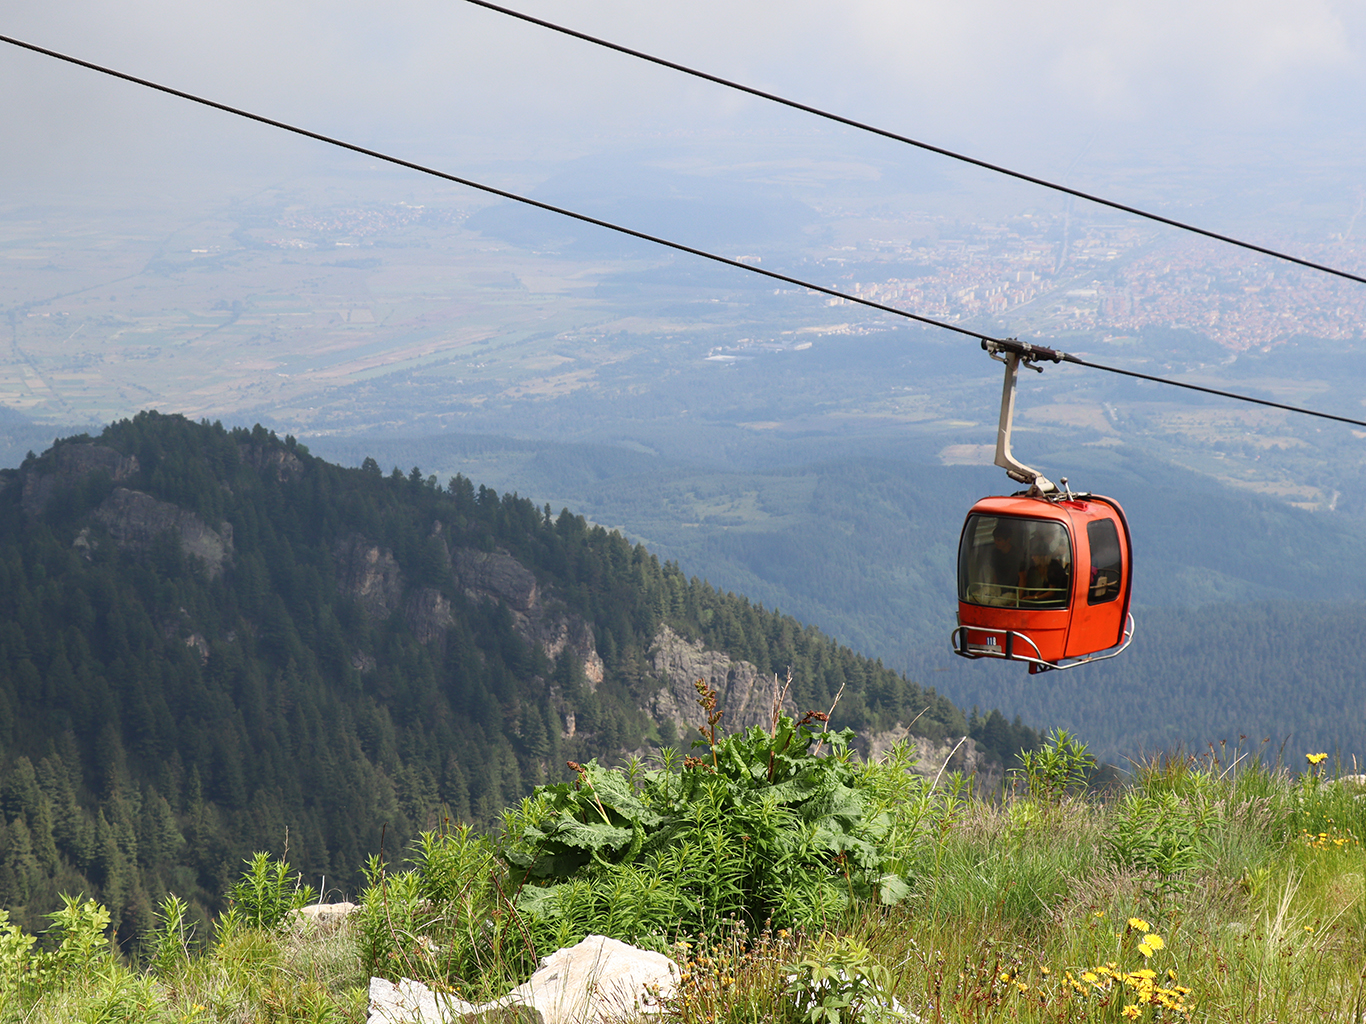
[1015,563]
[1008,566]
[1046,582]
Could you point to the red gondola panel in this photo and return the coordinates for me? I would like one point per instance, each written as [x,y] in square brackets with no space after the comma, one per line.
[1043,580]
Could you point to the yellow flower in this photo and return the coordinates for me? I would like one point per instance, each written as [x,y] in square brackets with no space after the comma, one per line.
[1022,986]
[1138,924]
[1089,976]
[1131,1012]
[1100,913]
[1154,942]
[1316,759]
[1145,949]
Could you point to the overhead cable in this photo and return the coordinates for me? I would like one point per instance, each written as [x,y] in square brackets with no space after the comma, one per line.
[928,147]
[1033,353]
[633,233]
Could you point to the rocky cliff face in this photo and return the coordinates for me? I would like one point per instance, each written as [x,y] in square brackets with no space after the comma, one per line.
[68,465]
[134,520]
[371,575]
[744,693]
[933,758]
[497,576]
[282,464]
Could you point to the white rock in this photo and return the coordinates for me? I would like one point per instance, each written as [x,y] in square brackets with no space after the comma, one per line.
[325,916]
[408,1002]
[598,981]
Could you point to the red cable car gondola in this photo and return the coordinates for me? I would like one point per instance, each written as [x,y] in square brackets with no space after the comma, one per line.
[1044,575]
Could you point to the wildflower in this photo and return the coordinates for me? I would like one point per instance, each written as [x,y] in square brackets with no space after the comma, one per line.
[1316,759]
[1131,1012]
[1154,942]
[1138,924]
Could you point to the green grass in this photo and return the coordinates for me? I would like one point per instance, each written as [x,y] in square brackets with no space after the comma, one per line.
[1248,904]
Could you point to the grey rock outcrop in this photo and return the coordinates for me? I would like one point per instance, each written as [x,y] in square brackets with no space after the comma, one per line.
[70,463]
[497,576]
[370,574]
[429,614]
[568,633]
[744,693]
[933,758]
[134,520]
[269,459]
[600,980]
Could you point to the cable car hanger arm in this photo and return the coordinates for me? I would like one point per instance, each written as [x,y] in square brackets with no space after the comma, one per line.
[1016,352]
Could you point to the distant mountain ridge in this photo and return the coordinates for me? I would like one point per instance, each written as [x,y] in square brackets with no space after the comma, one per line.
[211,640]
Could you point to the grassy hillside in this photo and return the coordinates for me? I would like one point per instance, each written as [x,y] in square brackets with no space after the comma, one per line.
[1208,890]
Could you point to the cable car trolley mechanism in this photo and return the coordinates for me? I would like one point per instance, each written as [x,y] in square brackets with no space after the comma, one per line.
[1044,575]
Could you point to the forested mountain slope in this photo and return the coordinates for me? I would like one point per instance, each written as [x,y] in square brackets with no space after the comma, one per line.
[210,639]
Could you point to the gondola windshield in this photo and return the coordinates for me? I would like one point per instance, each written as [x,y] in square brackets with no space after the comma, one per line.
[1007,562]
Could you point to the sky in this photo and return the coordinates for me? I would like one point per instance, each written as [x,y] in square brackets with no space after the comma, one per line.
[1054,87]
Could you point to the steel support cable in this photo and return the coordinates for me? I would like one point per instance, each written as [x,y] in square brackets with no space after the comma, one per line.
[1031,353]
[928,147]
[1055,356]
[1068,358]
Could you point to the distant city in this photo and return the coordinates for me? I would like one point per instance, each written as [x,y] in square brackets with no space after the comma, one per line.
[1055,278]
